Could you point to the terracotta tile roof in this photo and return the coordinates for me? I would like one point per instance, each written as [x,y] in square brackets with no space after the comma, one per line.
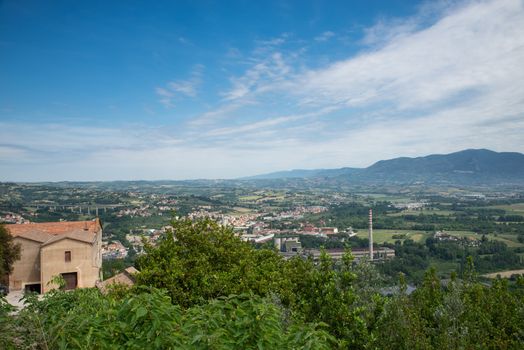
[76,235]
[125,277]
[49,232]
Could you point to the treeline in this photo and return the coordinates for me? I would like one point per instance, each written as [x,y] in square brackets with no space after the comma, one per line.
[207,289]
[462,218]
[413,258]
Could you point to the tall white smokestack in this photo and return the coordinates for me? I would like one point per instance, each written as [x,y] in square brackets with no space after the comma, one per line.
[370,234]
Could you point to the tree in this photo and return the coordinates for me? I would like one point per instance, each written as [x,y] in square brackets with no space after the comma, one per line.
[325,293]
[9,253]
[203,260]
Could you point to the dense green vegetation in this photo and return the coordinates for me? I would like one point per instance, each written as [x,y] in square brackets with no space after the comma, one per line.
[9,253]
[413,258]
[203,288]
[147,319]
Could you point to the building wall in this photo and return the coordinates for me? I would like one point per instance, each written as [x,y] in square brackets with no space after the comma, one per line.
[27,269]
[97,253]
[84,261]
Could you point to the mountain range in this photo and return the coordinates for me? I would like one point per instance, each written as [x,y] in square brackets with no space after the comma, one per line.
[468,167]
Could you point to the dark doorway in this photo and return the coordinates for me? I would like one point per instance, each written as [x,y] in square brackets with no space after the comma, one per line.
[71,280]
[34,288]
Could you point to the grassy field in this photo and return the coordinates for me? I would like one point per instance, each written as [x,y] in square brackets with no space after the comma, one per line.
[249,198]
[517,208]
[241,210]
[260,198]
[384,197]
[425,211]
[468,234]
[381,236]
[510,240]
[507,273]
[444,268]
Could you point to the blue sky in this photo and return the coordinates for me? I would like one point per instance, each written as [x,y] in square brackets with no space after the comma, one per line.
[103,90]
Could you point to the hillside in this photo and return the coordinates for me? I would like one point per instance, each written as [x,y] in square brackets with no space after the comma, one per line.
[304,173]
[473,166]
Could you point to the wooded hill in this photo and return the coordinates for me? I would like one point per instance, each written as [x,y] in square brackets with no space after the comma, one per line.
[468,167]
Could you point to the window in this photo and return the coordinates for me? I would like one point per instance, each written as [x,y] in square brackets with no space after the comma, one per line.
[68,256]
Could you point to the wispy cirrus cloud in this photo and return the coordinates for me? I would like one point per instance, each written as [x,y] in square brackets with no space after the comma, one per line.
[266,71]
[465,55]
[181,88]
[325,36]
[269,123]
[224,111]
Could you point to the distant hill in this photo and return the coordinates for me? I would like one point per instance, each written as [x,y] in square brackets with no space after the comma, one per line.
[468,167]
[304,173]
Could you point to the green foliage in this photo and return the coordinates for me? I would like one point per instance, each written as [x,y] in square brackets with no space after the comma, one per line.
[327,295]
[412,258]
[203,260]
[459,315]
[7,327]
[146,319]
[9,253]
[58,281]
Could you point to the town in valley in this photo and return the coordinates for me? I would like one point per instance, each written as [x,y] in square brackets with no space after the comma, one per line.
[442,225]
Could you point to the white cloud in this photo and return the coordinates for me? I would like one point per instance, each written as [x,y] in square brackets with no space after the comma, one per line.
[188,88]
[216,114]
[267,123]
[267,71]
[478,48]
[11,152]
[166,97]
[265,46]
[325,36]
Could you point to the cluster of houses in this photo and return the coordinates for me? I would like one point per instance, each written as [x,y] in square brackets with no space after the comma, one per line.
[113,250]
[12,218]
[255,222]
[135,212]
[261,234]
[411,205]
[150,236]
[298,212]
[442,236]
[162,206]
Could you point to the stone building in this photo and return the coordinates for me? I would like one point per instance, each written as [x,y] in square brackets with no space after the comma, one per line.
[69,249]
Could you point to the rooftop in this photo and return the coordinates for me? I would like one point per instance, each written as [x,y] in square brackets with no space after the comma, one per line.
[48,232]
